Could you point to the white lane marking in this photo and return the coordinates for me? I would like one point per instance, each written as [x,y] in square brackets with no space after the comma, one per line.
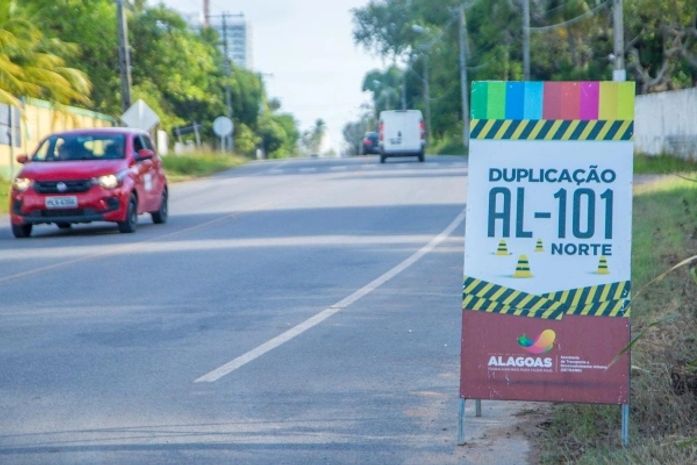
[276,171]
[307,170]
[273,343]
[338,168]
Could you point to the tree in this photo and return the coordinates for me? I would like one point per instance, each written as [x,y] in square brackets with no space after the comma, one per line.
[570,40]
[354,131]
[386,87]
[29,66]
[313,138]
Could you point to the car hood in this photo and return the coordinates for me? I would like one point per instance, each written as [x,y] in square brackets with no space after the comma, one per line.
[70,170]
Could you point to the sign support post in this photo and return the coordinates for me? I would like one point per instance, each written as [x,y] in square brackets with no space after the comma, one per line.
[547,275]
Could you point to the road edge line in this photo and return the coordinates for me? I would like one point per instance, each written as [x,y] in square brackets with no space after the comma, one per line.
[290,334]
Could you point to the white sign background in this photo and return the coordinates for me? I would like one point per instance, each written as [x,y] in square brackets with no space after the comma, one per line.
[550,272]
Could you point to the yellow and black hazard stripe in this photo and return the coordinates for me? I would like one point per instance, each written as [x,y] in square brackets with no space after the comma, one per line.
[591,294]
[611,308]
[504,295]
[607,300]
[554,312]
[509,129]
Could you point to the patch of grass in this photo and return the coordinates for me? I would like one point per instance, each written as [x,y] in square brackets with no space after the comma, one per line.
[188,166]
[663,423]
[4,195]
[662,164]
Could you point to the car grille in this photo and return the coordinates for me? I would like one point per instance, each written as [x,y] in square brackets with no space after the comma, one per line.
[62,213]
[71,187]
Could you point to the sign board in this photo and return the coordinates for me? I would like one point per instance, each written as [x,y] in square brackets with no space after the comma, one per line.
[222,126]
[140,116]
[548,242]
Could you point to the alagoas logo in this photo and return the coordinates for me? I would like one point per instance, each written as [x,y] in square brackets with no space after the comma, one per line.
[542,344]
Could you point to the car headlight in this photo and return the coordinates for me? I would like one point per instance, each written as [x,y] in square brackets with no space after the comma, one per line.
[109,181]
[22,184]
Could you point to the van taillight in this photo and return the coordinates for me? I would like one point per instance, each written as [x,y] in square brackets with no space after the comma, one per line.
[423,129]
[381,130]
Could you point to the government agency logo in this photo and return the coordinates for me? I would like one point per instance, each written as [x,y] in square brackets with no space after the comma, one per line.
[542,344]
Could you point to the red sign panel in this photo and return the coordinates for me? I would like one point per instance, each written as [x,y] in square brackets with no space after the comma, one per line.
[507,357]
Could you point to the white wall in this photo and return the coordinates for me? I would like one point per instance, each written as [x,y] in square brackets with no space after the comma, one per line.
[666,122]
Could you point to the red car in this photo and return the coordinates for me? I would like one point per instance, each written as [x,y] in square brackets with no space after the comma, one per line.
[89,175]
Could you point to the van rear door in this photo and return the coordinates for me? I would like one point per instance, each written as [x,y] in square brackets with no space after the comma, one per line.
[401,131]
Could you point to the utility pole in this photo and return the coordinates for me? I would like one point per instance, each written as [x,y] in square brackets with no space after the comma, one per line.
[228,73]
[464,52]
[206,12]
[124,56]
[526,40]
[427,96]
[618,73]
[404,84]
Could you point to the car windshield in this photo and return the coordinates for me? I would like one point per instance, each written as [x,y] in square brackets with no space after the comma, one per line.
[71,147]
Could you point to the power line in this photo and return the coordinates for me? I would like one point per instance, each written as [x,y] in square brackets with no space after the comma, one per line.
[571,21]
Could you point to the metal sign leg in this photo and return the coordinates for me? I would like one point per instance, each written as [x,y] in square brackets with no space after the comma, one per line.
[625,425]
[461,423]
[478,408]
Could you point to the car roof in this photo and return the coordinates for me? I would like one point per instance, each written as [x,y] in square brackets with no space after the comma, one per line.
[108,130]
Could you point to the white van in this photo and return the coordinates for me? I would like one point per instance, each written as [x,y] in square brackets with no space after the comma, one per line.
[402,133]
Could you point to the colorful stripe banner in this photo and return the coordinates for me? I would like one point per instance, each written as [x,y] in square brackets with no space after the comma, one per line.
[584,101]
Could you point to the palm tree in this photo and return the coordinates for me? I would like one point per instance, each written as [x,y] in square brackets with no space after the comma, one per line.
[317,135]
[28,66]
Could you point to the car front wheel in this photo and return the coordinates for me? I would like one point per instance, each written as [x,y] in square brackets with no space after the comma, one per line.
[160,216]
[20,231]
[128,225]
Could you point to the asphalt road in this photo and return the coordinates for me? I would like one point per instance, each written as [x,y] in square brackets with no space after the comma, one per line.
[297,312]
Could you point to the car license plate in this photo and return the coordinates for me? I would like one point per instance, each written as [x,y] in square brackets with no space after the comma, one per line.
[61,202]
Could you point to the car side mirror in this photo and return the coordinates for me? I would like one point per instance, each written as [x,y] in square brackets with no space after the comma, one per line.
[145,154]
[22,159]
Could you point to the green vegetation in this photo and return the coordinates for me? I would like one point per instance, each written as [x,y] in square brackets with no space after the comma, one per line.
[662,421]
[183,167]
[662,164]
[31,64]
[178,70]
[417,35]
[4,195]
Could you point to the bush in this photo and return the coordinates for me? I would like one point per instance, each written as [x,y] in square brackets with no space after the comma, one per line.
[179,167]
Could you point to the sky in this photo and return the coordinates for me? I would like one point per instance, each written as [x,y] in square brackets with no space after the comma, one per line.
[306,47]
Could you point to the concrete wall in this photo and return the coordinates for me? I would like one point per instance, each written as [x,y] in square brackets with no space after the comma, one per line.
[37,119]
[666,122]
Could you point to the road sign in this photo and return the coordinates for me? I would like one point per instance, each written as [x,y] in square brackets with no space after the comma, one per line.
[140,116]
[222,126]
[548,242]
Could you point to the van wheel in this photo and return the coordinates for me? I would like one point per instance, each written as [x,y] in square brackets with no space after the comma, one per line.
[129,224]
[20,231]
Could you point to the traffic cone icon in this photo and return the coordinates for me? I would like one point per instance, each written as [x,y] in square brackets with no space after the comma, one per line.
[602,266]
[539,247]
[502,249]
[522,269]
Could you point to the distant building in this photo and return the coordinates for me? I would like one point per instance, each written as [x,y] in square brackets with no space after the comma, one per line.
[239,38]
[237,31]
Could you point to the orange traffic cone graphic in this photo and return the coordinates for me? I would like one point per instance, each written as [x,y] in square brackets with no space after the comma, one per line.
[522,269]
